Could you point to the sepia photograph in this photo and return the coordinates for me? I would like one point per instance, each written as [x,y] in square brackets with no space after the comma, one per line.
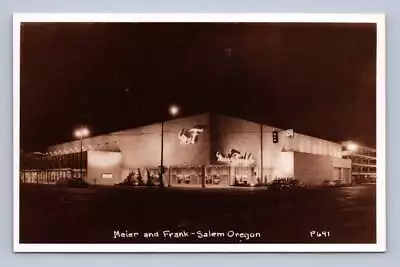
[199,133]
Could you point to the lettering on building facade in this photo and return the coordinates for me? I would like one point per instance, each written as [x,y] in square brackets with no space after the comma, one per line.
[235,157]
[190,136]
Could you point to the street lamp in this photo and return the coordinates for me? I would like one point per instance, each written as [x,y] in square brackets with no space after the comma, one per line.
[80,134]
[173,111]
[352,147]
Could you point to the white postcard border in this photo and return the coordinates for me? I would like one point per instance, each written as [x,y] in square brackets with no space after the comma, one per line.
[379,19]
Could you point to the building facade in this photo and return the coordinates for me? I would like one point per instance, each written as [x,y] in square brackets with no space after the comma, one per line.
[363,162]
[207,150]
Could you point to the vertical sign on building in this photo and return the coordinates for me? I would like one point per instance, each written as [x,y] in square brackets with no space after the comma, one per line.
[275,137]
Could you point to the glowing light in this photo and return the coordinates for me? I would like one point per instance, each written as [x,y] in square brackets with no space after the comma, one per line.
[107,176]
[82,132]
[173,110]
[352,147]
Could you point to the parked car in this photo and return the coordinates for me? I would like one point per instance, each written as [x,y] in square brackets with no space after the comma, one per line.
[77,182]
[328,183]
[285,183]
[333,183]
[339,182]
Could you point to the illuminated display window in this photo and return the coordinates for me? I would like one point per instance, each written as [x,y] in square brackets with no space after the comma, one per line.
[107,176]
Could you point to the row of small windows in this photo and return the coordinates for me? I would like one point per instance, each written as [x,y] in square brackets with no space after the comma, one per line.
[73,161]
[363,169]
[366,152]
[359,160]
[363,161]
[78,148]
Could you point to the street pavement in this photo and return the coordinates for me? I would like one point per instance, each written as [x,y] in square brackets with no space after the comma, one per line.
[52,214]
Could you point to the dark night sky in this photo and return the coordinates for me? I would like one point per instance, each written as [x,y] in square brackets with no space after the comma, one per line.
[316,78]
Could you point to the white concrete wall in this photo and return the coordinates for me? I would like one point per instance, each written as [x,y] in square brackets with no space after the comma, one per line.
[308,144]
[314,169]
[101,162]
[141,147]
[341,163]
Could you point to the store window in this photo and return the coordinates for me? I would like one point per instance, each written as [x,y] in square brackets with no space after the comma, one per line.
[217,175]
[186,175]
[214,179]
[243,175]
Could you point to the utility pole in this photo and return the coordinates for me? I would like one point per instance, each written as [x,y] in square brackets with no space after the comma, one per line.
[261,156]
[173,111]
[162,156]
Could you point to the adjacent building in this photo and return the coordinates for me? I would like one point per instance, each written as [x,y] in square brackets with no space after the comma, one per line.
[206,150]
[363,162]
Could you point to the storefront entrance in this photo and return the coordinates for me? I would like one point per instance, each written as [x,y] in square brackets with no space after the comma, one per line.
[217,175]
[242,175]
[186,176]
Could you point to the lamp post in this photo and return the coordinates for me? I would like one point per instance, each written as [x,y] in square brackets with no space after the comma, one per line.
[173,111]
[80,134]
